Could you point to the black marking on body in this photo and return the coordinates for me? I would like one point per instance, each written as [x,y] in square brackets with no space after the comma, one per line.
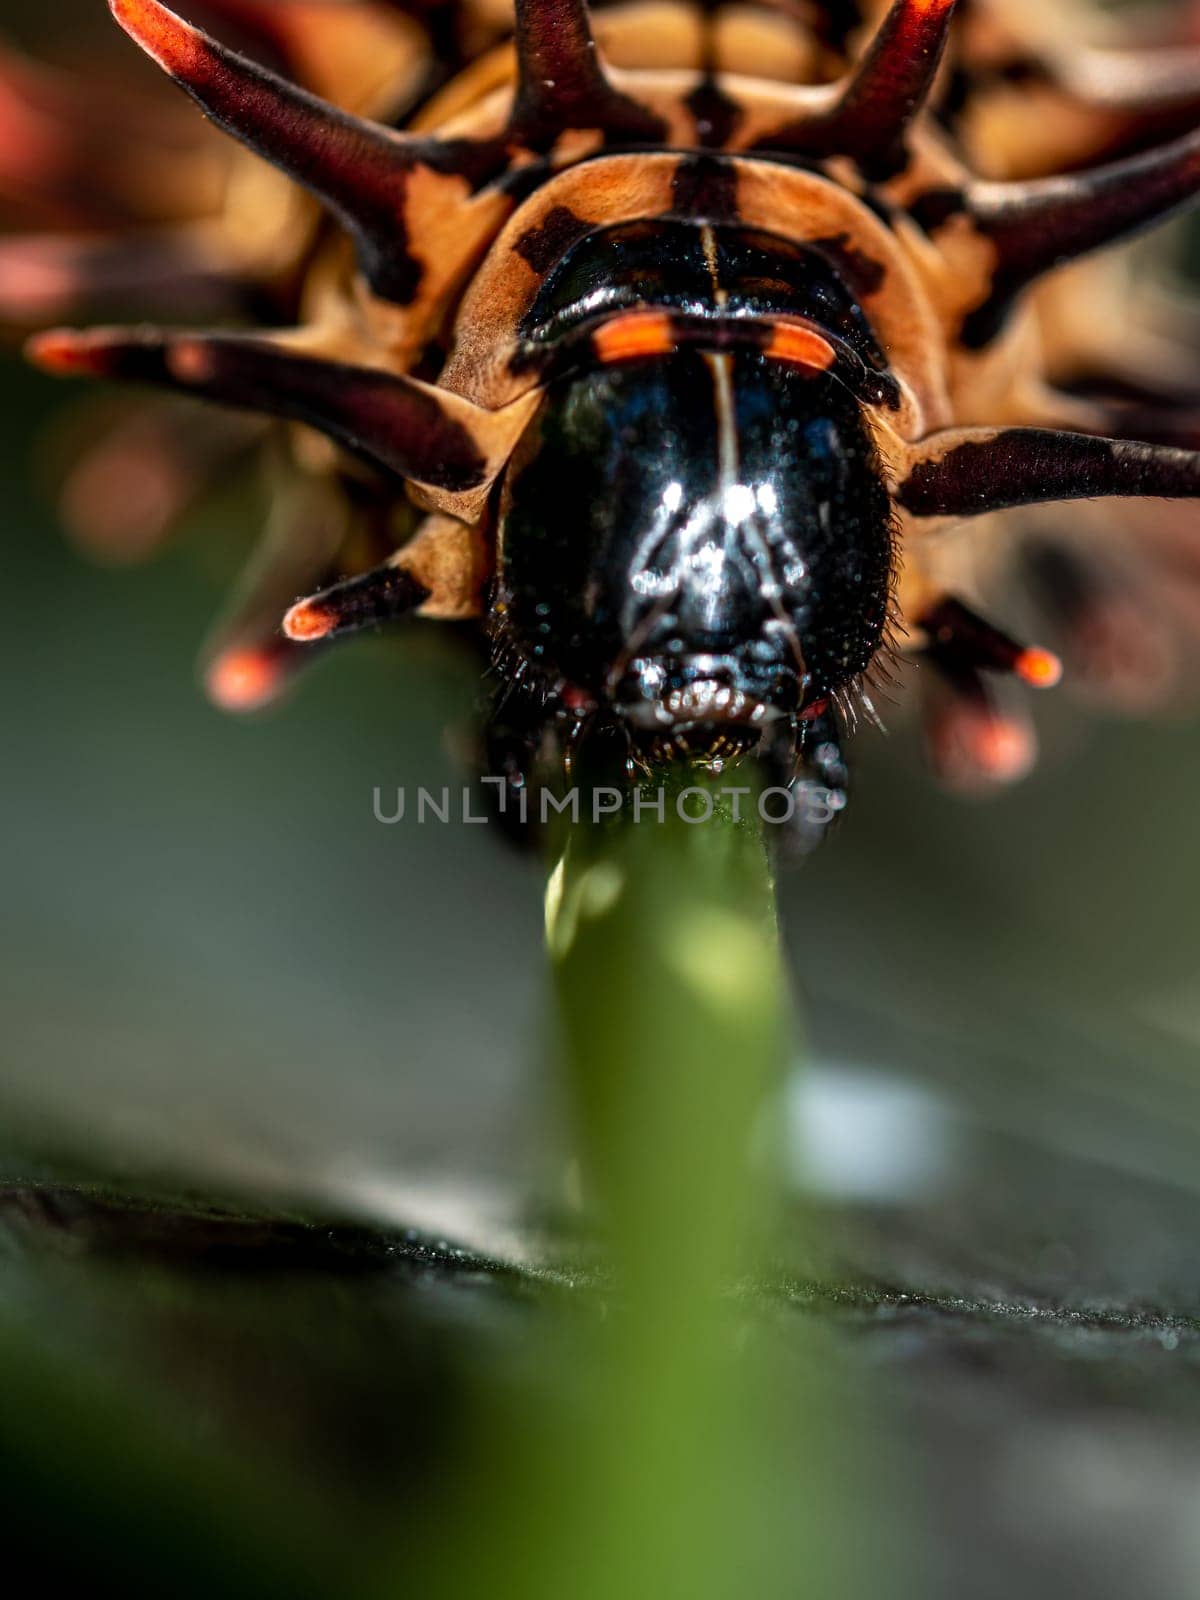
[956,97]
[877,205]
[933,209]
[986,323]
[705,188]
[717,114]
[553,237]
[521,182]
[862,273]
[383,243]
[836,21]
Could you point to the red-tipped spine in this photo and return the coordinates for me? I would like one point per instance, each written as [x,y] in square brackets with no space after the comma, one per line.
[561,82]
[1042,224]
[966,472]
[383,595]
[246,679]
[356,167]
[974,744]
[404,427]
[960,639]
[885,93]
[894,80]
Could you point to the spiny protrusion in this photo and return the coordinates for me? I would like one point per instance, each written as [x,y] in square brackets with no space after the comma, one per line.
[961,638]
[171,270]
[883,96]
[249,679]
[356,167]
[396,423]
[1043,224]
[441,572]
[384,595]
[561,82]
[1153,418]
[966,472]
[1131,79]
[974,744]
[311,530]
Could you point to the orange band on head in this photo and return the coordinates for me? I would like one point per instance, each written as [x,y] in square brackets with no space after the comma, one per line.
[804,346]
[639,333]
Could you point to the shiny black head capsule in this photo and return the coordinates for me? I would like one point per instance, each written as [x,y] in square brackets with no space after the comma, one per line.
[697,541]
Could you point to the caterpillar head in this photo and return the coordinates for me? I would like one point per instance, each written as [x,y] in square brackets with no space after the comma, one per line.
[699,544]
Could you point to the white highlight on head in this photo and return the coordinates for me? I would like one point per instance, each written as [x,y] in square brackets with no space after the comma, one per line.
[706,565]
[739,502]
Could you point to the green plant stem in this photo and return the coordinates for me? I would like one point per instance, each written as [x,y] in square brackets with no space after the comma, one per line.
[675,1023]
[675,1026]
[642,1459]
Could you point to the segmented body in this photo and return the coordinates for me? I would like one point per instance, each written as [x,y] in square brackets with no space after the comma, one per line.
[677,363]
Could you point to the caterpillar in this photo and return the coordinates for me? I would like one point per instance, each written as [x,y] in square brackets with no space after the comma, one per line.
[676,349]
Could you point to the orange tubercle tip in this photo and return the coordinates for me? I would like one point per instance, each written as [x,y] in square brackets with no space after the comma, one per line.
[189,361]
[243,680]
[306,622]
[37,281]
[1040,669]
[64,352]
[1004,750]
[168,38]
